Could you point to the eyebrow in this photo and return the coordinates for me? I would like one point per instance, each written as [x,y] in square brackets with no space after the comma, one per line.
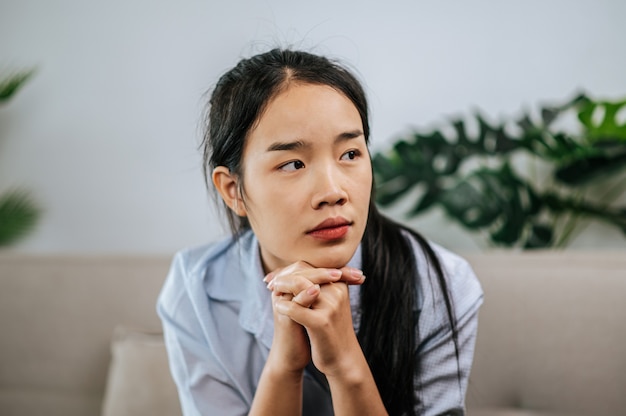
[285,146]
[299,144]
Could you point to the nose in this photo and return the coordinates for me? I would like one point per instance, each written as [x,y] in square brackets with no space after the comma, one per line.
[328,188]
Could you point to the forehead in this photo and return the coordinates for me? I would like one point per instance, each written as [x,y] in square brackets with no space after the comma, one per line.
[306,111]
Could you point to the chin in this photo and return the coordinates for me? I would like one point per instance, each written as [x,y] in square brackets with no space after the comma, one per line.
[332,259]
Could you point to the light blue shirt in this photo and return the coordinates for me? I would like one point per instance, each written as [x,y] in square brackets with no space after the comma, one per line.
[218,326]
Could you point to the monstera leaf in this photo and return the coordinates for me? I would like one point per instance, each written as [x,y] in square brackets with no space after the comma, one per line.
[602,120]
[471,176]
[496,199]
[605,139]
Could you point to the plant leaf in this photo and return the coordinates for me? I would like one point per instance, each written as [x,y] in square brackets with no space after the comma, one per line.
[609,125]
[467,203]
[10,84]
[540,237]
[18,215]
[430,198]
[586,169]
[512,209]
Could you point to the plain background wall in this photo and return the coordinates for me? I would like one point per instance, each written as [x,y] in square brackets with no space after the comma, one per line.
[106,134]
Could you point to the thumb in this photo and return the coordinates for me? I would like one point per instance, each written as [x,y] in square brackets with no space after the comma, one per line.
[307,297]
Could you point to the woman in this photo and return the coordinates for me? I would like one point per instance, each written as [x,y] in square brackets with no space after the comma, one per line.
[318,304]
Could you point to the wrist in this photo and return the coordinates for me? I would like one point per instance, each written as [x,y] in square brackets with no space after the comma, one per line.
[278,370]
[355,392]
[352,376]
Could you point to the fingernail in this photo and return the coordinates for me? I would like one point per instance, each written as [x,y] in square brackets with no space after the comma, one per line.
[334,273]
[313,290]
[270,285]
[268,277]
[357,274]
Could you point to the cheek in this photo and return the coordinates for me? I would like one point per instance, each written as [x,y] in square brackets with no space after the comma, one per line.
[269,205]
[363,186]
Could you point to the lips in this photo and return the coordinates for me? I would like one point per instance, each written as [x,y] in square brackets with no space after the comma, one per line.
[331,229]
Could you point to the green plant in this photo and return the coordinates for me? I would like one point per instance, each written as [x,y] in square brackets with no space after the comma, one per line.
[18,212]
[531,181]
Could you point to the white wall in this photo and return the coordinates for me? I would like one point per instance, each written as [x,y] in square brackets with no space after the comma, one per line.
[106,134]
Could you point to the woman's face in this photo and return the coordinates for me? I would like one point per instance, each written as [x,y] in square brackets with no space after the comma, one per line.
[307,178]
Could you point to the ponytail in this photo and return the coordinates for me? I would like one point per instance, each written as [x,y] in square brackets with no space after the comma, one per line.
[389,314]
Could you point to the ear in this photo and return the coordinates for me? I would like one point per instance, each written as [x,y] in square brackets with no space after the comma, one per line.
[226,184]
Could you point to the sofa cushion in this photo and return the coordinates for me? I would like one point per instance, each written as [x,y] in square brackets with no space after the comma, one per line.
[552,333]
[139,380]
[36,402]
[513,412]
[57,314]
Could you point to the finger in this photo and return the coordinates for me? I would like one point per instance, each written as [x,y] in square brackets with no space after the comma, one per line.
[281,296]
[295,311]
[292,268]
[321,276]
[301,280]
[306,298]
[331,304]
[352,276]
[288,307]
[290,278]
[268,277]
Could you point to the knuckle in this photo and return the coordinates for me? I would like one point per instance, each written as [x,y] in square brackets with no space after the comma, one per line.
[301,282]
[277,285]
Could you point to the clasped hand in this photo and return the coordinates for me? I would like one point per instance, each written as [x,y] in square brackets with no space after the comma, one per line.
[312,317]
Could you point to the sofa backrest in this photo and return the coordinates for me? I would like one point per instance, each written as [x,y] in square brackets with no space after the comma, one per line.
[552,332]
[57,318]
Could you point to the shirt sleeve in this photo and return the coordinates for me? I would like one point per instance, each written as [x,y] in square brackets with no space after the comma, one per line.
[204,387]
[441,379]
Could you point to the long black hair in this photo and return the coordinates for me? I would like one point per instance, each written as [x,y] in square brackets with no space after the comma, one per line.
[387,332]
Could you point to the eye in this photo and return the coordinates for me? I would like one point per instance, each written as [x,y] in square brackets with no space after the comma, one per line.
[292,166]
[350,155]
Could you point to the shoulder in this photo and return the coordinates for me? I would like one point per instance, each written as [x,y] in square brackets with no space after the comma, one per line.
[206,270]
[462,283]
[192,263]
[456,268]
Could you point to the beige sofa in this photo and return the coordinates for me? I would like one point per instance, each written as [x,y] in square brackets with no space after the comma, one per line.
[79,336]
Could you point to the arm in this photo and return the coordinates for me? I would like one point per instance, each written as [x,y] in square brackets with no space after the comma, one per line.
[353,389]
[442,391]
[203,385]
[201,355]
[209,394]
[280,388]
[335,349]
